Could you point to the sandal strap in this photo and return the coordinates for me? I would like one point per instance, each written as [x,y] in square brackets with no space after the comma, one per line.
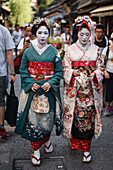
[87,155]
[48,146]
[36,158]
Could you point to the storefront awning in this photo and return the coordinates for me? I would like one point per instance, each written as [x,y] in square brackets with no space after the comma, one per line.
[103,11]
[5,8]
[52,18]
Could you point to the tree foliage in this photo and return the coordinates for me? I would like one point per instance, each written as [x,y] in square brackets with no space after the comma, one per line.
[21,11]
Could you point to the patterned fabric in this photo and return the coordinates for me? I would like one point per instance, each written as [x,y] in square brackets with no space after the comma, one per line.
[56,45]
[37,145]
[40,104]
[88,84]
[84,115]
[41,70]
[31,125]
[83,145]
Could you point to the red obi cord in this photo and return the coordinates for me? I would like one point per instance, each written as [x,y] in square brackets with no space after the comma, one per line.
[83,145]
[83,63]
[37,145]
[41,70]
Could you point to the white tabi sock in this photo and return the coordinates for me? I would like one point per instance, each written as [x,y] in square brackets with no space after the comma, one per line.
[37,155]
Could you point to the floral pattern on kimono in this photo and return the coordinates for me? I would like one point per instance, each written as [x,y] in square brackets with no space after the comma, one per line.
[73,53]
[37,126]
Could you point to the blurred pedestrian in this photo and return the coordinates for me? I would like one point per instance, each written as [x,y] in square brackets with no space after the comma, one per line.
[100,39]
[28,39]
[6,55]
[108,73]
[16,35]
[83,73]
[41,71]
[23,31]
[56,40]
[66,37]
[111,39]
[74,36]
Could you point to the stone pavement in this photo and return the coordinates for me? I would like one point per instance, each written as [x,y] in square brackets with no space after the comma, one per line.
[15,153]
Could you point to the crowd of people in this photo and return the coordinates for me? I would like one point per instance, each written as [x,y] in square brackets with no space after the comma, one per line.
[47,57]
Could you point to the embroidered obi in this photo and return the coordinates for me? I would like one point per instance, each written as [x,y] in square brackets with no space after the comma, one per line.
[56,45]
[41,70]
[84,66]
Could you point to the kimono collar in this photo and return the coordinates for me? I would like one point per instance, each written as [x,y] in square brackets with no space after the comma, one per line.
[81,47]
[40,51]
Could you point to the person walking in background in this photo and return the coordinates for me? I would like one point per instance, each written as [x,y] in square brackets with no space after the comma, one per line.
[6,55]
[108,73]
[83,68]
[56,41]
[16,35]
[41,72]
[74,36]
[66,37]
[28,40]
[111,39]
[100,39]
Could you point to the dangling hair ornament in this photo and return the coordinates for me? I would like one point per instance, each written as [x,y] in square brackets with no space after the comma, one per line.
[47,21]
[89,22]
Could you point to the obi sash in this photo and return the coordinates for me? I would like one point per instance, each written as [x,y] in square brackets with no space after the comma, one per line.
[84,66]
[41,70]
[56,45]
[83,63]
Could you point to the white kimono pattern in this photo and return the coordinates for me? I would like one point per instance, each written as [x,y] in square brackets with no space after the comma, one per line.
[74,53]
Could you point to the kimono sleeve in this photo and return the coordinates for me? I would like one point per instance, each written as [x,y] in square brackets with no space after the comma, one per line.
[55,80]
[99,72]
[27,80]
[67,68]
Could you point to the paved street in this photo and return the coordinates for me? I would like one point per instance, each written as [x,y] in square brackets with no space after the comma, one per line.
[15,153]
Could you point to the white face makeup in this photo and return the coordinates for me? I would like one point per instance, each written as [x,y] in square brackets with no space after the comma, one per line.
[42,35]
[55,32]
[83,36]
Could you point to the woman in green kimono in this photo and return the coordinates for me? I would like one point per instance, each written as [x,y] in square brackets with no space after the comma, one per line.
[41,71]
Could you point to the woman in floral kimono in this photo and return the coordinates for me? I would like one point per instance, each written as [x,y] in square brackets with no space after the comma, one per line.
[83,74]
[41,71]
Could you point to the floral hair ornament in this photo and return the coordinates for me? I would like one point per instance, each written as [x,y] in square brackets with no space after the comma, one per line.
[47,21]
[89,22]
[56,25]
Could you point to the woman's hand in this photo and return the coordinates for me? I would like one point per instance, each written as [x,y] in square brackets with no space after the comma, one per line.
[46,86]
[107,76]
[35,87]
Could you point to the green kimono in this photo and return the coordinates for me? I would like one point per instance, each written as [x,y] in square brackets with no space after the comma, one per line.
[37,126]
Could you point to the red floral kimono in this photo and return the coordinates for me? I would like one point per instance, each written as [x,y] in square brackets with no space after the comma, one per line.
[83,95]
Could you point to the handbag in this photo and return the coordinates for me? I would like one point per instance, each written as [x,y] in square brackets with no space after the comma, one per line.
[40,104]
[11,107]
[17,63]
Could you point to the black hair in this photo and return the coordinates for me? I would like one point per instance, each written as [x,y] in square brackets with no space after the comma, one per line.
[100,26]
[84,25]
[67,26]
[36,27]
[16,25]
